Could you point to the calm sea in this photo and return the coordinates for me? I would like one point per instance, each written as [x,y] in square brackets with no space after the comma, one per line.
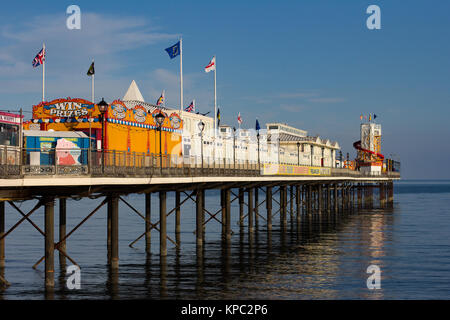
[325,257]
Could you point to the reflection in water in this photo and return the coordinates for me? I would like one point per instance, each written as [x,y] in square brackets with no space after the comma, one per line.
[311,257]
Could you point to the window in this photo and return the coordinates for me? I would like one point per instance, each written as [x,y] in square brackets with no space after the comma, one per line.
[9,134]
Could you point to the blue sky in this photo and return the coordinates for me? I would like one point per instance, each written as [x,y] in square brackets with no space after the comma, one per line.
[311,64]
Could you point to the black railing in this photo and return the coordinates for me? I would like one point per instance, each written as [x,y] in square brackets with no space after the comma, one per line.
[111,163]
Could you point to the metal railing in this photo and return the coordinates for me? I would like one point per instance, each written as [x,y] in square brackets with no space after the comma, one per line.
[112,163]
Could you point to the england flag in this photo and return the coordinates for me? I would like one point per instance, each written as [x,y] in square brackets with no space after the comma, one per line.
[211,65]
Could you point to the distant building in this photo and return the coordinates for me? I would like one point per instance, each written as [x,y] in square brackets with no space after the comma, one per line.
[296,147]
[10,140]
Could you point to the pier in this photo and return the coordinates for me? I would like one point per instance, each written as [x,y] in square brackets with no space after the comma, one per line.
[250,184]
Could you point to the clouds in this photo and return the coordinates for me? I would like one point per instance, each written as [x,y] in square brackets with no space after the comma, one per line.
[69,52]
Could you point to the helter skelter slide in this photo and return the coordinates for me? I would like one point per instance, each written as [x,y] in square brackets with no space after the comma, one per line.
[357,146]
[369,158]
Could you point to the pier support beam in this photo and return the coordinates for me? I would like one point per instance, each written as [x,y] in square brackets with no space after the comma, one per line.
[108,227]
[228,215]
[298,201]
[148,223]
[49,217]
[241,207]
[291,189]
[250,210]
[335,189]
[370,196]
[382,195]
[2,232]
[391,193]
[283,204]
[359,195]
[224,212]
[162,224]
[269,207]
[62,230]
[177,217]
[199,220]
[309,200]
[114,232]
[256,207]
[320,196]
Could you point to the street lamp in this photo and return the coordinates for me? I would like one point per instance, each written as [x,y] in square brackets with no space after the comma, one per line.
[257,137]
[103,107]
[159,118]
[234,147]
[201,127]
[298,153]
[312,153]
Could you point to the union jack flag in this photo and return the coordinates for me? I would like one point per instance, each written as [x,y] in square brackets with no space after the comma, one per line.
[39,59]
[160,100]
[190,107]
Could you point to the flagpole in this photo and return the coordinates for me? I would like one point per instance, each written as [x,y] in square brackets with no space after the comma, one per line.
[215,97]
[181,74]
[43,73]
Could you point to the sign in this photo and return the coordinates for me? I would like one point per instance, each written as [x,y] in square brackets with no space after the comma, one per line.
[10,118]
[291,170]
[64,108]
[67,152]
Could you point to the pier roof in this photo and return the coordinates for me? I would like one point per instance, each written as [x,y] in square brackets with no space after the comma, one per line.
[133,93]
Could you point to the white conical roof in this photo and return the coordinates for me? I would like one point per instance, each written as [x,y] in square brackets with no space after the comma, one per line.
[133,93]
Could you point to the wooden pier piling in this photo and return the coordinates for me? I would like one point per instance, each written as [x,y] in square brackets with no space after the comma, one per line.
[250,210]
[256,208]
[148,222]
[177,217]
[62,230]
[49,217]
[241,207]
[2,232]
[162,224]
[269,207]
[227,215]
[199,219]
[114,232]
[108,227]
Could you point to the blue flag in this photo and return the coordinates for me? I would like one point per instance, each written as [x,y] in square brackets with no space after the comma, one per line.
[257,125]
[174,50]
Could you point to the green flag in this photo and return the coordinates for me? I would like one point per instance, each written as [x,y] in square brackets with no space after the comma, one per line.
[91,70]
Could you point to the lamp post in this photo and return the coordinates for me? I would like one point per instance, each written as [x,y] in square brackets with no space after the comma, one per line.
[103,107]
[312,153]
[298,153]
[201,127]
[234,147]
[257,137]
[159,118]
[279,156]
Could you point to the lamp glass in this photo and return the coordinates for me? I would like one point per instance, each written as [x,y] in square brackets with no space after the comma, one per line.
[160,118]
